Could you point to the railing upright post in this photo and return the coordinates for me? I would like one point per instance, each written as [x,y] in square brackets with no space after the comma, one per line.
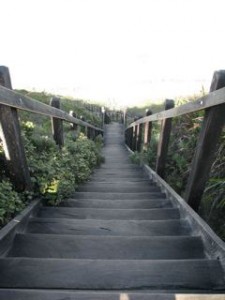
[73,125]
[85,127]
[91,133]
[10,134]
[139,137]
[130,137]
[207,146]
[147,130]
[163,145]
[57,124]
[134,138]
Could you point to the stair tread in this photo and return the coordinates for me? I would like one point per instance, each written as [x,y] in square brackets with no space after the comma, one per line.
[106,247]
[118,196]
[108,227]
[111,180]
[112,274]
[120,187]
[122,204]
[109,214]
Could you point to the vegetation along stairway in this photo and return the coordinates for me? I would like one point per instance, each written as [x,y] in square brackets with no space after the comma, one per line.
[120,237]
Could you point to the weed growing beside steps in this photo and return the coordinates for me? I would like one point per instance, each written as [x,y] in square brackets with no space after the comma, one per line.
[55,173]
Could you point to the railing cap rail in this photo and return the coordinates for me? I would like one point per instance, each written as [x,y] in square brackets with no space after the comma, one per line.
[19,101]
[212,99]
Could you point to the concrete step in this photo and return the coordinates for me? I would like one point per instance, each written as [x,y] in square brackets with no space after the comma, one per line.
[118,196]
[106,247]
[110,274]
[117,159]
[109,214]
[118,184]
[118,187]
[27,294]
[108,227]
[120,174]
[122,204]
[97,179]
[119,166]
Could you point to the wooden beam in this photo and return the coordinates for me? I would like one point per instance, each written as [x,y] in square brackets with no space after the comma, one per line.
[57,124]
[12,142]
[73,125]
[139,137]
[147,130]
[207,146]
[134,139]
[212,99]
[163,144]
[19,101]
[129,137]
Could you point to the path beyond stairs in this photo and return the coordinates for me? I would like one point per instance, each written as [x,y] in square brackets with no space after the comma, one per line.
[118,238]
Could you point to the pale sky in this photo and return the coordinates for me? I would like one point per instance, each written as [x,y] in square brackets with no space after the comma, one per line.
[122,51]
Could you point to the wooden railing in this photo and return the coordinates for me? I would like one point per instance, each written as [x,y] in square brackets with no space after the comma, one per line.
[10,132]
[213,123]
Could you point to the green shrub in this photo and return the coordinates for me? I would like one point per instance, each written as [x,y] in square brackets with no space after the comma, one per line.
[10,202]
[56,172]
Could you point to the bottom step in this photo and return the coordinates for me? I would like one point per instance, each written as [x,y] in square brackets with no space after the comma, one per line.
[73,295]
[110,274]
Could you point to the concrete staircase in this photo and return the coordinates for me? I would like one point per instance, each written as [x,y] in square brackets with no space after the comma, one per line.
[118,238]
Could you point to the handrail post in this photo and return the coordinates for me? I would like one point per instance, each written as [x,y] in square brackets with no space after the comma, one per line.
[73,125]
[163,144]
[207,146]
[57,124]
[139,137]
[129,137]
[134,138]
[12,142]
[147,130]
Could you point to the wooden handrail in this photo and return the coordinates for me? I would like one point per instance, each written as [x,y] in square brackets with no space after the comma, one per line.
[19,101]
[212,99]
[212,126]
[10,133]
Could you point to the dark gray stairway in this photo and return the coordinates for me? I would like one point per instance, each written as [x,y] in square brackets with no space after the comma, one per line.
[119,237]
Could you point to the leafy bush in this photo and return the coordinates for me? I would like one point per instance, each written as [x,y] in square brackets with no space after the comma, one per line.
[56,173]
[10,202]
